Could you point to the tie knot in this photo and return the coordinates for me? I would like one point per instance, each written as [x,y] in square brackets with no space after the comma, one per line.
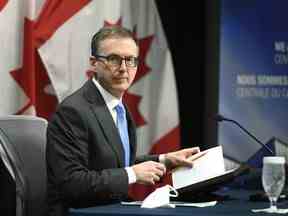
[120,109]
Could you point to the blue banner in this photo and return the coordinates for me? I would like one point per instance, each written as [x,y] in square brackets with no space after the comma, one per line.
[253,77]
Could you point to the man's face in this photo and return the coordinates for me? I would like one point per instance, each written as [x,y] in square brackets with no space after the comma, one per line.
[116,79]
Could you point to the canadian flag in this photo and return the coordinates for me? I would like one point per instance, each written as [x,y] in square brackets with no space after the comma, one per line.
[47,59]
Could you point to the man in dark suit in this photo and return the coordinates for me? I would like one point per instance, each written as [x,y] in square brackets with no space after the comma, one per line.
[90,149]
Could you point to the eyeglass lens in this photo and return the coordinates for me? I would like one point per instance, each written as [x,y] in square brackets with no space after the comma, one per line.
[116,60]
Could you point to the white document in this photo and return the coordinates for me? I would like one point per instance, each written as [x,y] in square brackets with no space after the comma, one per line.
[208,166]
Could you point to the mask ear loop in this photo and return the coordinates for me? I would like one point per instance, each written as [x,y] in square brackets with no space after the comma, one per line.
[174,192]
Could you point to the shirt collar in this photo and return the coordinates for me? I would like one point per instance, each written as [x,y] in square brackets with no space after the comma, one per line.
[110,100]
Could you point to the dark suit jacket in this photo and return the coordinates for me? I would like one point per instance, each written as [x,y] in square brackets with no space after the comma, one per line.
[85,157]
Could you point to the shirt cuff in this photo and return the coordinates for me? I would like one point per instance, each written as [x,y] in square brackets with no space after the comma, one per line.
[131,175]
[162,158]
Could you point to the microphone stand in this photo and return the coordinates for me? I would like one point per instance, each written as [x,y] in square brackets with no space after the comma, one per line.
[260,196]
[221,118]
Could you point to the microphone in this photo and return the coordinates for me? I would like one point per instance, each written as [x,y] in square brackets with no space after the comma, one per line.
[220,118]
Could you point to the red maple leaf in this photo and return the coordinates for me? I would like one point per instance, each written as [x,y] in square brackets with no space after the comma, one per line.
[24,76]
[32,78]
[144,46]
[133,100]
[2,4]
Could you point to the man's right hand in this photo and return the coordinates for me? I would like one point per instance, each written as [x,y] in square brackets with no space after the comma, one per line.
[148,172]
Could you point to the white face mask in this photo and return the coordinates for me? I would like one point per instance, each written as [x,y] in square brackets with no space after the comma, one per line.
[160,197]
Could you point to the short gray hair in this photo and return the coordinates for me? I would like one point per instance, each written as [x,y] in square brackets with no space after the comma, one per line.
[114,31]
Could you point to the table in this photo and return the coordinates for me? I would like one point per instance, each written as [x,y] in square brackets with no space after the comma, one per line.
[239,204]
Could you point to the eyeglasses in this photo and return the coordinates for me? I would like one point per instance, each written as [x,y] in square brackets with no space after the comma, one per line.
[116,60]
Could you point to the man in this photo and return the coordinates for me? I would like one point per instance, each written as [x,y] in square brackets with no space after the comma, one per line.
[90,149]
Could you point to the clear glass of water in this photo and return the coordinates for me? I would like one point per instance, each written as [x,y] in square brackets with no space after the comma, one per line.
[273,179]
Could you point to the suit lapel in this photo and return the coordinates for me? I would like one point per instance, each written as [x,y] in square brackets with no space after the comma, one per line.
[104,118]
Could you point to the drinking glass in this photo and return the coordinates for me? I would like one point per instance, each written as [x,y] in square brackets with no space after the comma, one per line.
[273,178]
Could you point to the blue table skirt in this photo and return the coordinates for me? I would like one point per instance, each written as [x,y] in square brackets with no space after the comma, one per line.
[239,204]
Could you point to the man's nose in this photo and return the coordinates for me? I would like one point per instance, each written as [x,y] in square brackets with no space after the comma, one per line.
[123,65]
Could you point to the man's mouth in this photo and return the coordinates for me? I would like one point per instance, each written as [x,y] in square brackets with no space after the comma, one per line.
[120,78]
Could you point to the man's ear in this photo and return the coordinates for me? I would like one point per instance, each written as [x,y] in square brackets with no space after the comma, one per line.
[92,66]
[92,61]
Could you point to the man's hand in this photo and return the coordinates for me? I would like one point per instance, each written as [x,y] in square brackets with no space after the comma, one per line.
[183,157]
[148,172]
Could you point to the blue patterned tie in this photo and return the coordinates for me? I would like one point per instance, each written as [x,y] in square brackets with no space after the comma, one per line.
[123,131]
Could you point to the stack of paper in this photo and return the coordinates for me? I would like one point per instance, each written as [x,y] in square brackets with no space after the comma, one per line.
[204,168]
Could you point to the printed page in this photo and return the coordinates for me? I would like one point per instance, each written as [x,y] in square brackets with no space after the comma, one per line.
[208,166]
